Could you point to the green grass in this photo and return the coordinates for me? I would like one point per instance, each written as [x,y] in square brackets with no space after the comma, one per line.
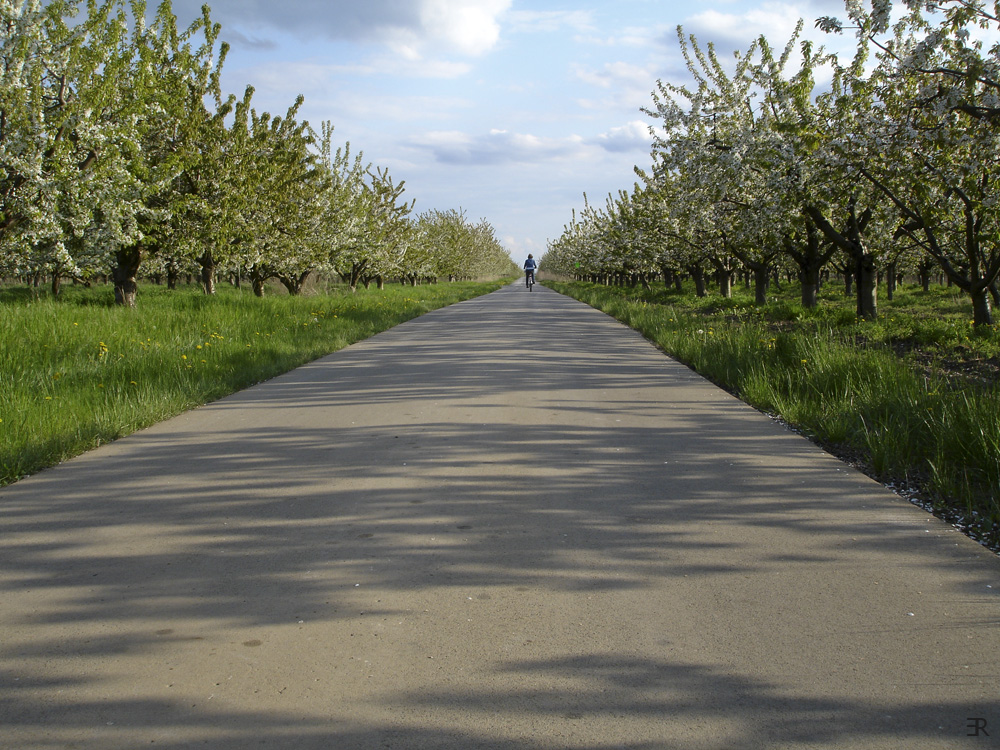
[77,371]
[912,397]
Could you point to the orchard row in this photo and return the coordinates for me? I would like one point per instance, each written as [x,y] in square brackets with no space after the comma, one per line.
[121,157]
[793,159]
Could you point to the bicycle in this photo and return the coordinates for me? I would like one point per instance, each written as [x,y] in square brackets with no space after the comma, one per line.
[529,279]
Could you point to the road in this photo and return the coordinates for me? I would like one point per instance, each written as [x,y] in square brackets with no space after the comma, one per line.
[510,523]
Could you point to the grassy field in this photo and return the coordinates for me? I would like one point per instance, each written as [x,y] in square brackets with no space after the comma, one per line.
[77,371]
[913,399]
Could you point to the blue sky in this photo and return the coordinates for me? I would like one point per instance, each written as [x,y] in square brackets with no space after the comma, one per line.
[509,109]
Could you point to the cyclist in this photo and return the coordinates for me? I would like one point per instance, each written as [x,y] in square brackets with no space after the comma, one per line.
[529,271]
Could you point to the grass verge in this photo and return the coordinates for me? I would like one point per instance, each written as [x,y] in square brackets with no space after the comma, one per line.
[911,399]
[78,371]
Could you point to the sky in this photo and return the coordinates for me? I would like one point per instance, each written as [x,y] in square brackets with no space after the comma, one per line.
[510,110]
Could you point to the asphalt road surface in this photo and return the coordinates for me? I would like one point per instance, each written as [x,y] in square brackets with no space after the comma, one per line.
[510,523]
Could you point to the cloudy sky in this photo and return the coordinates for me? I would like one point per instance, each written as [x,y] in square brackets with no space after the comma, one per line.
[509,109]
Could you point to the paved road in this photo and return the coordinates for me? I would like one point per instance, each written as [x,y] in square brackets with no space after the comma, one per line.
[511,523]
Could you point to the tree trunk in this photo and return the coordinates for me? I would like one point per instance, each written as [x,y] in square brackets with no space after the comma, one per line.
[761,275]
[698,274]
[891,279]
[207,272]
[357,269]
[726,282]
[852,241]
[295,284]
[924,274]
[208,279]
[124,275]
[867,288]
[982,315]
[257,282]
[56,284]
[810,286]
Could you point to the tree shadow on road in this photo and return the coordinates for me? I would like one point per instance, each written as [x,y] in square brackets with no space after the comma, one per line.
[520,449]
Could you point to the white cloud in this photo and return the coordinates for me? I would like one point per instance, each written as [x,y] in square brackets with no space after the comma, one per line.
[550,21]
[774,20]
[619,75]
[468,26]
[626,86]
[633,136]
[417,31]
[639,37]
[330,19]
[496,147]
[465,27]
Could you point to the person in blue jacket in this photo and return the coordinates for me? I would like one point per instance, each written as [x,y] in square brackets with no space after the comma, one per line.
[529,270]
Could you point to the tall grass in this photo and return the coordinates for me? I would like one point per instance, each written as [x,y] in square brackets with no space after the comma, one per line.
[875,392]
[78,371]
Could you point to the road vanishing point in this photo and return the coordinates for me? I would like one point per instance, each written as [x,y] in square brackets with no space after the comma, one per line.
[510,523]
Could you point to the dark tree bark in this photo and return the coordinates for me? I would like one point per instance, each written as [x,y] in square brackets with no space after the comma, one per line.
[293,284]
[924,269]
[867,287]
[697,271]
[891,279]
[811,258]
[353,276]
[124,275]
[207,262]
[851,240]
